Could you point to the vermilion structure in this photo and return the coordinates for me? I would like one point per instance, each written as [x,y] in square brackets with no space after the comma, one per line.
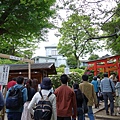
[109,64]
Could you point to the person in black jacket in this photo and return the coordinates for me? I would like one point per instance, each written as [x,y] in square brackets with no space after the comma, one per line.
[30,92]
[1,101]
[80,97]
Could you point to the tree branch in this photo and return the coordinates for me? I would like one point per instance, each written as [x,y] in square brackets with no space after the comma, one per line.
[100,37]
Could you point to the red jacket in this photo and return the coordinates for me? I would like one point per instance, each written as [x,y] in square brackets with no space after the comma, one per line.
[11,83]
[66,101]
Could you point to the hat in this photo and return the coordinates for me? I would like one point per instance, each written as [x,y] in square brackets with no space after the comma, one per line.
[95,78]
[46,83]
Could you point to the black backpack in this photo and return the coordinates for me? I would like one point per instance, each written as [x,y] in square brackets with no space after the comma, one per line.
[15,98]
[43,109]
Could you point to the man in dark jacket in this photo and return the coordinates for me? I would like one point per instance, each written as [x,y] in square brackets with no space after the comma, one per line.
[1,101]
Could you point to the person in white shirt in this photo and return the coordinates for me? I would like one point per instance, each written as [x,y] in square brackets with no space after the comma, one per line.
[45,90]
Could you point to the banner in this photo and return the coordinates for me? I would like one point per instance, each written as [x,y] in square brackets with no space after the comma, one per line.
[4,74]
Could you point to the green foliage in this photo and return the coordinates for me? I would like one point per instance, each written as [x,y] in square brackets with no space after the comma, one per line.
[93,57]
[75,32]
[112,27]
[60,69]
[23,24]
[62,66]
[55,80]
[78,71]
[73,78]
[71,61]
[83,67]
[90,74]
[7,61]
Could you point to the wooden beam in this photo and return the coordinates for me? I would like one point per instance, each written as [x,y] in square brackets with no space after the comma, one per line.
[16,58]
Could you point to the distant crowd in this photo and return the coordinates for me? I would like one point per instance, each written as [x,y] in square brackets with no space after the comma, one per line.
[26,99]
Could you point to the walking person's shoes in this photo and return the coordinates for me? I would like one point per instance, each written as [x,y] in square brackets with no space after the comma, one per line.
[107,113]
[113,114]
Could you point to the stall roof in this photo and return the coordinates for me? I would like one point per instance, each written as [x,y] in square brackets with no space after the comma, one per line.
[50,67]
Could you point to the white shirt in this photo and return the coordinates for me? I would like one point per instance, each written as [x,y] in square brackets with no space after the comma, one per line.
[36,99]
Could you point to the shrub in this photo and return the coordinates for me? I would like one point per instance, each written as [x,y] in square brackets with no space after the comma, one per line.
[73,78]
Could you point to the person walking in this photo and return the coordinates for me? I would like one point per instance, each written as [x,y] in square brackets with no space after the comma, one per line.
[13,114]
[30,92]
[96,89]
[88,89]
[1,101]
[107,87]
[113,77]
[45,90]
[80,97]
[66,100]
[117,98]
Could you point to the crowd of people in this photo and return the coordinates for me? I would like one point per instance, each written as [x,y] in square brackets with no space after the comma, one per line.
[67,102]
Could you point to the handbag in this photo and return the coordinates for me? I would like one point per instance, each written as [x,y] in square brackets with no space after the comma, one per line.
[99,94]
[113,93]
[84,104]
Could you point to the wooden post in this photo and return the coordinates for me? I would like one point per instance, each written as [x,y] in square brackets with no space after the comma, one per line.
[18,59]
[95,68]
[29,70]
[118,68]
[4,94]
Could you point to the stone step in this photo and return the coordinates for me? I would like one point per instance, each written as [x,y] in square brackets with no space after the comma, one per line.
[107,117]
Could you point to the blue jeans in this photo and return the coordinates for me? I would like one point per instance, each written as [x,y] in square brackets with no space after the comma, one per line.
[90,113]
[80,113]
[106,96]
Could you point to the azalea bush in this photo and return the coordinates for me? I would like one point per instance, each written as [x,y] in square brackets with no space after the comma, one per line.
[90,74]
[73,78]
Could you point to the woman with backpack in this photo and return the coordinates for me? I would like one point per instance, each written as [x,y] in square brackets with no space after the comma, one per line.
[44,96]
[80,97]
[30,92]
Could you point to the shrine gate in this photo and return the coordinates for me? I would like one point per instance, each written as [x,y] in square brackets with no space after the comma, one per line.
[109,64]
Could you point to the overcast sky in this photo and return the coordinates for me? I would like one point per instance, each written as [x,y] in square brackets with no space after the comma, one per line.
[53,40]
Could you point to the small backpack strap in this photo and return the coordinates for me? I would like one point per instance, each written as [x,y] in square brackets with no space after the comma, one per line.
[49,94]
[22,88]
[41,94]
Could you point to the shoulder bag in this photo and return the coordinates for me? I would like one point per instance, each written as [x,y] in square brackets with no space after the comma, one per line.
[113,93]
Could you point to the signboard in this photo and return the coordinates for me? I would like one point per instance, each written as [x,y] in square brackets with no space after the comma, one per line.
[4,73]
[15,58]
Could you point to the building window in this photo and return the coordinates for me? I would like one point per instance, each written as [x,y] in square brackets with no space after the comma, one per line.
[54,52]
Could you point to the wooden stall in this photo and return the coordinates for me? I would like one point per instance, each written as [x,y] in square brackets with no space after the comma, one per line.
[38,70]
[109,64]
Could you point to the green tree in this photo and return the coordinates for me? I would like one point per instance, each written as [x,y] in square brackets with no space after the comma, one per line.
[93,57]
[112,27]
[23,24]
[74,34]
[71,61]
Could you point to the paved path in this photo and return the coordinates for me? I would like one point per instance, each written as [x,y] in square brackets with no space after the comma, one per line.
[100,114]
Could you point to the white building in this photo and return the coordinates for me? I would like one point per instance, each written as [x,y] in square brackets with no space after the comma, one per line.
[51,56]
